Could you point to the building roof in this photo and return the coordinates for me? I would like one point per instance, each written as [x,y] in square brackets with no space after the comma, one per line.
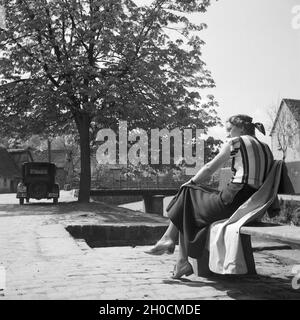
[18,152]
[293,105]
[59,157]
[8,168]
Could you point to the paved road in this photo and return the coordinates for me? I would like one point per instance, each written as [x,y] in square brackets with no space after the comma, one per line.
[42,260]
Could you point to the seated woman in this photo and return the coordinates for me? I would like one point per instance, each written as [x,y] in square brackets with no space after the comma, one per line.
[195,207]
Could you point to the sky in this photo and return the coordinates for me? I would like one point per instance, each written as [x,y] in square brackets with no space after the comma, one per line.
[253,51]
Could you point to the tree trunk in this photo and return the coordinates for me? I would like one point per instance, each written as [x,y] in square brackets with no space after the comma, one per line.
[49,150]
[83,125]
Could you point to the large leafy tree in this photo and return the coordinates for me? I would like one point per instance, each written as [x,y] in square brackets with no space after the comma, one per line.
[80,65]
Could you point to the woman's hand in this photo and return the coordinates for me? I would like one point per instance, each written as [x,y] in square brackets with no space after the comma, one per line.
[188,182]
[209,168]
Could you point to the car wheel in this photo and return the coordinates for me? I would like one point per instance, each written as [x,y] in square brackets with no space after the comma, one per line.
[27,200]
[21,201]
[55,200]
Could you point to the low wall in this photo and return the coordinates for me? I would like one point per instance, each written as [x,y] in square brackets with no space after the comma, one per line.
[117,199]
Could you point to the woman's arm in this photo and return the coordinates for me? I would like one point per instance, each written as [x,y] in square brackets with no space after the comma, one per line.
[209,168]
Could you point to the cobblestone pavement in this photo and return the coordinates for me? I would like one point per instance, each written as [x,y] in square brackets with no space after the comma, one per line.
[43,261]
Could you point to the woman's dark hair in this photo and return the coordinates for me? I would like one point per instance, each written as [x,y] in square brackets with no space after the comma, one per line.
[245,122]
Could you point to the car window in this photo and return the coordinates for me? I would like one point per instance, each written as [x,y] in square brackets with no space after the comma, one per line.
[38,171]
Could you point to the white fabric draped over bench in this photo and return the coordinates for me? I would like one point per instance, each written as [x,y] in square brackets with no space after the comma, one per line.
[224,241]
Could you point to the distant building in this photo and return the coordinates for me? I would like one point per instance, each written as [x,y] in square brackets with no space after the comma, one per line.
[285,133]
[63,161]
[20,156]
[10,174]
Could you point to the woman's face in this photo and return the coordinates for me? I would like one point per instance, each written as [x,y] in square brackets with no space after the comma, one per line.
[233,131]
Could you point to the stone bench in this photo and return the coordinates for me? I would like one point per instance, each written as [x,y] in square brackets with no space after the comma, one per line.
[280,233]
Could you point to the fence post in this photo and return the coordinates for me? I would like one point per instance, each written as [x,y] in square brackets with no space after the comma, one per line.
[154,204]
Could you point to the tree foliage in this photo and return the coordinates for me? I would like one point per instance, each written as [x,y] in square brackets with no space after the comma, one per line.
[75,66]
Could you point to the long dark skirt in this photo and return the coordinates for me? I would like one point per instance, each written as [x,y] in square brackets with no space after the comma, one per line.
[195,207]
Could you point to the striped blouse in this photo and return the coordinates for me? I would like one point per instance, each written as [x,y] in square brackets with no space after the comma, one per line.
[251,160]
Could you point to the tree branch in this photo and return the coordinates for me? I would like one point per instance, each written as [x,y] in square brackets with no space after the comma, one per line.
[52,35]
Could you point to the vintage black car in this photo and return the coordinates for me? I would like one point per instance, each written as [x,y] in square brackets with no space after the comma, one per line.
[38,182]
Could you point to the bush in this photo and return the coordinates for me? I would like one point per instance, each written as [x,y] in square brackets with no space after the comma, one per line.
[289,213]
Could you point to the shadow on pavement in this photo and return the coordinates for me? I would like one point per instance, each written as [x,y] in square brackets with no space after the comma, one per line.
[244,287]
[61,207]
[106,212]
